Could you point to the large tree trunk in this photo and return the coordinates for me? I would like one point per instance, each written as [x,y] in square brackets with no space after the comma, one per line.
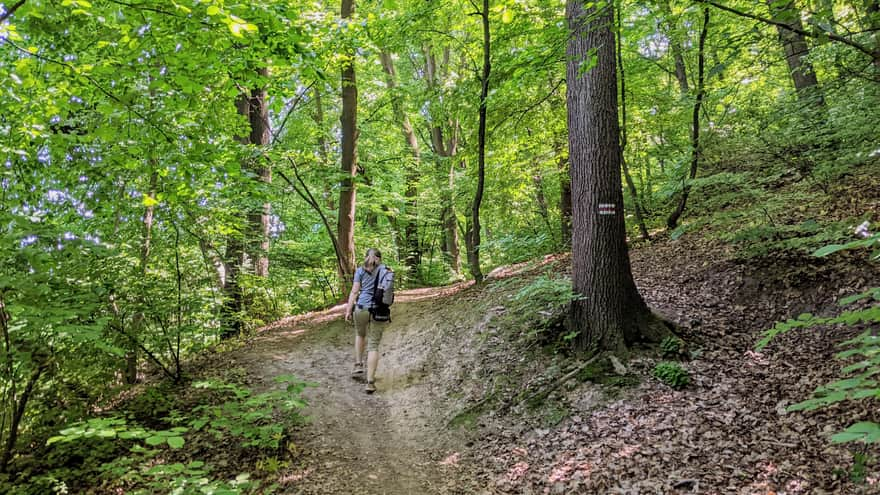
[473,234]
[613,314]
[258,219]
[796,50]
[412,248]
[672,221]
[347,193]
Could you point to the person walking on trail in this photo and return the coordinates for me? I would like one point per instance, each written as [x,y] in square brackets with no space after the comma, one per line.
[368,331]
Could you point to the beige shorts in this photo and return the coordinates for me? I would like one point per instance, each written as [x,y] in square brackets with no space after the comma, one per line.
[366,327]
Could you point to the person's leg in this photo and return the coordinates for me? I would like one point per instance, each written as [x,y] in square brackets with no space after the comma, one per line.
[373,338]
[361,323]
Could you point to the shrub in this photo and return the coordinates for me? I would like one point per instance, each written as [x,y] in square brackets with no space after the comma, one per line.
[672,346]
[671,374]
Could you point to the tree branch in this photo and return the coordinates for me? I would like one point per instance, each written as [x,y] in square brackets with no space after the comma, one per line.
[874,54]
[11,10]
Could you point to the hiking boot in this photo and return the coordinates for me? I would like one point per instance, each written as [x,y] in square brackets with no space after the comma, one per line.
[358,370]
[370,388]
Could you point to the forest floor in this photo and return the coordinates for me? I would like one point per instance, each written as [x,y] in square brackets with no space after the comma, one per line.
[449,415]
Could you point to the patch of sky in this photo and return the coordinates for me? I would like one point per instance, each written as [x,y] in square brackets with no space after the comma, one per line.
[27,241]
[654,46]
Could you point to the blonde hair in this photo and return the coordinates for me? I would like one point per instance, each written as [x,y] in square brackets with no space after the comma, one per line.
[372,259]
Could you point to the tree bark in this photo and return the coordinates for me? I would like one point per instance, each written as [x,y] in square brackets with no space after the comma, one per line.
[348,190]
[258,219]
[412,248]
[796,50]
[613,315]
[473,237]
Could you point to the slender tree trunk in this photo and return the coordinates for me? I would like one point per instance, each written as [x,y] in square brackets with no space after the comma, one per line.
[637,206]
[323,146]
[473,238]
[562,162]
[347,193]
[796,50]
[614,314]
[679,68]
[672,221]
[872,22]
[18,414]
[131,354]
[233,299]
[412,248]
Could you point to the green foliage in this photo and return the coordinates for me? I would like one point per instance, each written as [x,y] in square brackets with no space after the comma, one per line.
[672,374]
[142,459]
[540,307]
[862,351]
[671,346]
[247,416]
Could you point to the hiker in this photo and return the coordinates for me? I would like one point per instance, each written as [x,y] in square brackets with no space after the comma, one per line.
[361,305]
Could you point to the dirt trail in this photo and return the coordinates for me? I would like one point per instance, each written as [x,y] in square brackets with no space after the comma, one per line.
[392,442]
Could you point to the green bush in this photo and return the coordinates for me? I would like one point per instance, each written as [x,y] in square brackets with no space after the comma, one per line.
[672,346]
[671,374]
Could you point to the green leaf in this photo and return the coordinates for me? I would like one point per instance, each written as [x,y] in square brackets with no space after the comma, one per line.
[865,431]
[175,442]
[213,10]
[155,440]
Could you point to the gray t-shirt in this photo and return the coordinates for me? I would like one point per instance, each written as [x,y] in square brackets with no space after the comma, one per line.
[367,280]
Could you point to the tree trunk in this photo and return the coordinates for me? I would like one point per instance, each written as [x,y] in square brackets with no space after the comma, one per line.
[258,219]
[323,147]
[412,248]
[473,238]
[796,51]
[872,22]
[675,48]
[131,354]
[18,414]
[233,303]
[564,195]
[672,221]
[613,315]
[347,193]
[445,151]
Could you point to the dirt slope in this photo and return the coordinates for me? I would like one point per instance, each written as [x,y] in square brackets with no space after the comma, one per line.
[392,442]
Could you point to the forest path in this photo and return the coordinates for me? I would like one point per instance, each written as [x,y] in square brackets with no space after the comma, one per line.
[391,442]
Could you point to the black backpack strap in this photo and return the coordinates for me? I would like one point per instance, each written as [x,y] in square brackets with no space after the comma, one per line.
[376,283]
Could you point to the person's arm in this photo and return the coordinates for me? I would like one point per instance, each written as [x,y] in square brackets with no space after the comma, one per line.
[349,308]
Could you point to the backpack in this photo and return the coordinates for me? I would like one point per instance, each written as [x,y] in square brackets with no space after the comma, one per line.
[383,295]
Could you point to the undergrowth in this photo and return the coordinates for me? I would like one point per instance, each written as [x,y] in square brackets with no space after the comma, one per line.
[141,446]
